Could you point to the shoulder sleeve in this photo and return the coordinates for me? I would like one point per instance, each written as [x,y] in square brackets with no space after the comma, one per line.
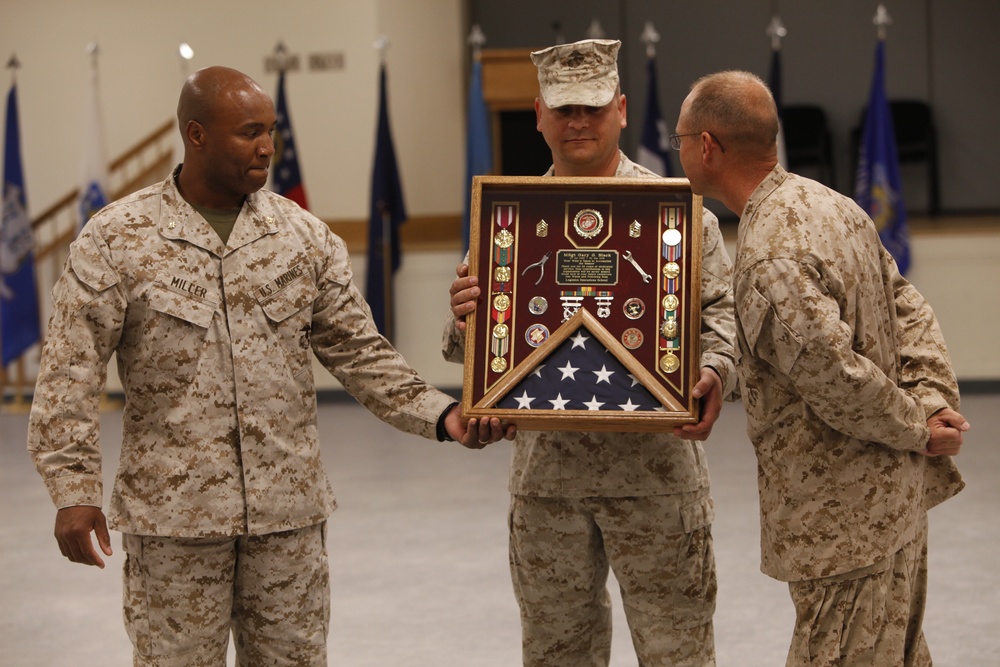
[792,322]
[346,342]
[86,324]
[925,365]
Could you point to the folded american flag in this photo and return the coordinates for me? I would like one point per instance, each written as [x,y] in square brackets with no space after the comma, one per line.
[581,374]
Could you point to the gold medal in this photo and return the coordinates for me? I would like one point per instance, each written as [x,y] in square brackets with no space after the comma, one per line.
[501,302]
[669,328]
[671,270]
[498,365]
[502,274]
[500,331]
[669,363]
[503,239]
[671,302]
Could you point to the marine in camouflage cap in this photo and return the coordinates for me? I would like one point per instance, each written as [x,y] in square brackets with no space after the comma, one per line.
[584,73]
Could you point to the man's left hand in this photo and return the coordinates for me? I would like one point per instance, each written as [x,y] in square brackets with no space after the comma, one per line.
[709,390]
[477,433]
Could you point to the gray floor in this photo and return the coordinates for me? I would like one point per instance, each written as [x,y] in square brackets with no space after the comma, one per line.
[418,550]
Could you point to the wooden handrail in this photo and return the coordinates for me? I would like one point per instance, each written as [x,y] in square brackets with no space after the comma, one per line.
[155,136]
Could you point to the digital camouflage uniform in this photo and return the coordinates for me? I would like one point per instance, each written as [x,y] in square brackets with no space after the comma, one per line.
[213,346]
[841,362]
[637,500]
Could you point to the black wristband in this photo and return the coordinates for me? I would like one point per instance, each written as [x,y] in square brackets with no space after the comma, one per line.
[442,432]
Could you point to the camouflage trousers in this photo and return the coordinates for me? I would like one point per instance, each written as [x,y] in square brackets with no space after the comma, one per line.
[660,549]
[183,596]
[868,617]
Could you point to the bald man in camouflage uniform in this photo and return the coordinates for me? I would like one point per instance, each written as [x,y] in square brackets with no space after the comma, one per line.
[213,294]
[637,501]
[850,395]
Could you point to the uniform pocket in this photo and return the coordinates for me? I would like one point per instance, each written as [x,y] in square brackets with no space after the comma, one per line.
[289,312]
[174,333]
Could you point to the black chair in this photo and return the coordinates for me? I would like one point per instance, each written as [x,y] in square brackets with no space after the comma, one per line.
[916,141]
[808,141]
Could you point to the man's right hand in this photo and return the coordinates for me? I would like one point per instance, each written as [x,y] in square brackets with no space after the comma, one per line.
[73,528]
[464,292]
[947,431]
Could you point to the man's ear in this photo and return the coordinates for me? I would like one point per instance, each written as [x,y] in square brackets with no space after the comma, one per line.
[195,133]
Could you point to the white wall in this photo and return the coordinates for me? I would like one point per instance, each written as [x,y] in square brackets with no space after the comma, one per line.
[333,112]
[334,122]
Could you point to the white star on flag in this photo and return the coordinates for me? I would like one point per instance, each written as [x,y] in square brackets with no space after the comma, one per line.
[580,374]
[524,401]
[559,403]
[604,375]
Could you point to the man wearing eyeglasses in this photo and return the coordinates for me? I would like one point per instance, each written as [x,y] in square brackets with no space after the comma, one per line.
[638,503]
[850,396]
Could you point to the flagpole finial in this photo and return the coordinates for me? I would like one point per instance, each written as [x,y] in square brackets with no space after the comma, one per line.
[281,56]
[382,44]
[650,37]
[13,64]
[595,30]
[776,30]
[882,20]
[477,38]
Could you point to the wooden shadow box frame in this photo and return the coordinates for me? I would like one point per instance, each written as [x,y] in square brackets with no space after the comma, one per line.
[609,265]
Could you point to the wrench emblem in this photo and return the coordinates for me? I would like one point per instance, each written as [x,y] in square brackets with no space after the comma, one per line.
[630,259]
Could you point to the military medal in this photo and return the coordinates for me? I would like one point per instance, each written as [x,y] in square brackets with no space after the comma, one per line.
[536,335]
[501,302]
[671,302]
[634,308]
[632,338]
[603,300]
[669,327]
[537,305]
[588,223]
[669,363]
[498,365]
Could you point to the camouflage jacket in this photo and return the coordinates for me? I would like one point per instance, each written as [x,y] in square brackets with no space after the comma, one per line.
[841,362]
[213,349]
[576,465]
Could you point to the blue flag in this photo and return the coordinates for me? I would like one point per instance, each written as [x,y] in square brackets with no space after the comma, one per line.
[387,213]
[878,186]
[20,324]
[478,145]
[94,165]
[287,179]
[654,144]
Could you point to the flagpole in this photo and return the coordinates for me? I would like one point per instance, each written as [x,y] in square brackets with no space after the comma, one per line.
[382,44]
[12,65]
[776,30]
